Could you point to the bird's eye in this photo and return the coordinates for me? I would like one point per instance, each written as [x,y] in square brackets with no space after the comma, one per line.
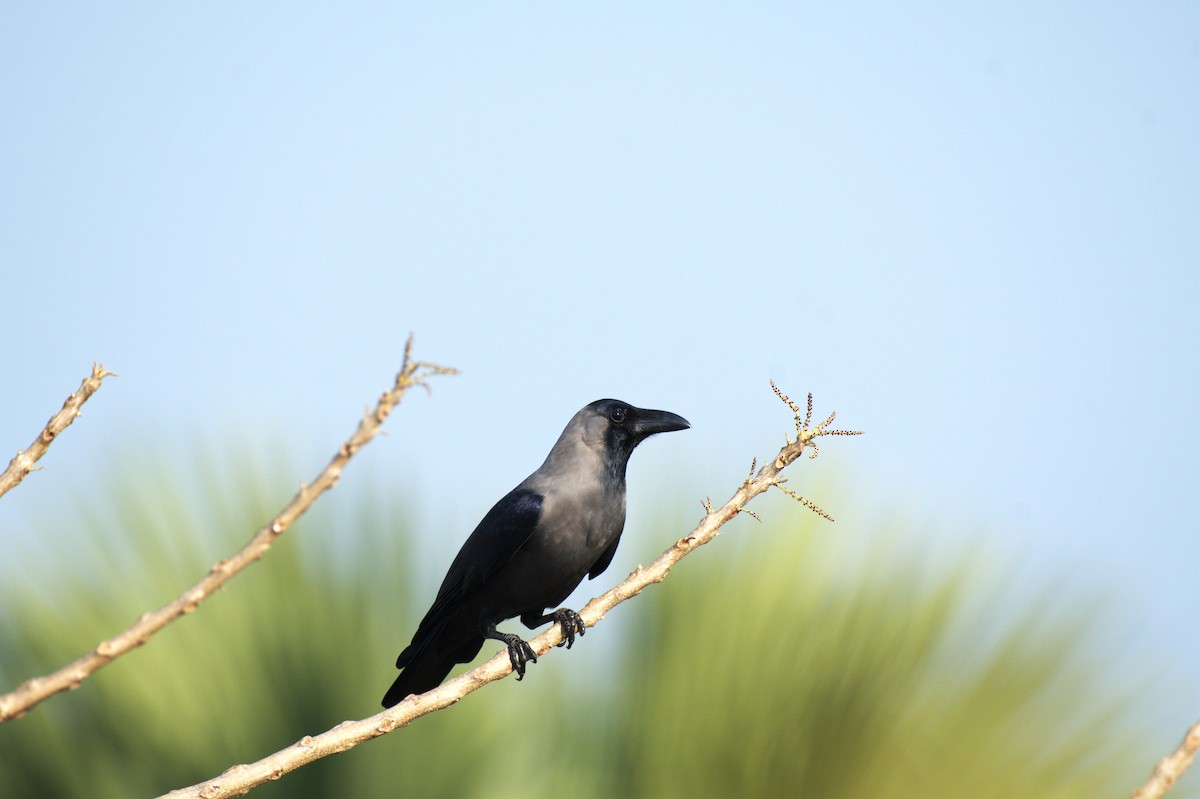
[617,415]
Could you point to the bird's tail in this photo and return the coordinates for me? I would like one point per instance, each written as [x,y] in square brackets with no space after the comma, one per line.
[426,662]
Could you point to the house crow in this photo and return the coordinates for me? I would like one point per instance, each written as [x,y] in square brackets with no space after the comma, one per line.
[534,547]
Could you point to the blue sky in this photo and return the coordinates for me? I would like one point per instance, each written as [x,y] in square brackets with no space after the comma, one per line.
[973,229]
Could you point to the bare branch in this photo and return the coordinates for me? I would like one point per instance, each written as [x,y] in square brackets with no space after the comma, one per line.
[240,779]
[20,466]
[1171,767]
[18,702]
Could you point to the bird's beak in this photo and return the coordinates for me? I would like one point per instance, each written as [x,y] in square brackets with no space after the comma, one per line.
[648,422]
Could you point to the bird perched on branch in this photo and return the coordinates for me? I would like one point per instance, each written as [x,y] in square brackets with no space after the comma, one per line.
[534,547]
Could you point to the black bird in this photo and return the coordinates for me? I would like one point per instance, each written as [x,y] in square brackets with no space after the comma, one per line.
[534,547]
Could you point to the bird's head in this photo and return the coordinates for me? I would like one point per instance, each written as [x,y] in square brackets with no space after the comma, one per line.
[615,428]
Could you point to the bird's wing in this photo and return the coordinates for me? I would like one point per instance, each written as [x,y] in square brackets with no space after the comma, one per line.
[605,558]
[501,533]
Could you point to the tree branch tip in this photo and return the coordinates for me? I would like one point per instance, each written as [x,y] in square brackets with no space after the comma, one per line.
[432,368]
[408,346]
[750,474]
[752,514]
[785,398]
[805,435]
[814,507]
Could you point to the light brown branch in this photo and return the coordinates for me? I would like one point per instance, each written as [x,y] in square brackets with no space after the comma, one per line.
[1171,767]
[412,373]
[239,780]
[20,466]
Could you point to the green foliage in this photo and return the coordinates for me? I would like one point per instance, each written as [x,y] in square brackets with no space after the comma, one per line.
[779,661]
[859,682]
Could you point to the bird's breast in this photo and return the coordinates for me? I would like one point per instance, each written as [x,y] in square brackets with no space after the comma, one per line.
[575,529]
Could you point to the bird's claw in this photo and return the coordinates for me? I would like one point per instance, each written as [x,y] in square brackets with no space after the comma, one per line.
[520,653]
[571,624]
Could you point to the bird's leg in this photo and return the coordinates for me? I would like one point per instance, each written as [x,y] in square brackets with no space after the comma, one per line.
[519,652]
[570,621]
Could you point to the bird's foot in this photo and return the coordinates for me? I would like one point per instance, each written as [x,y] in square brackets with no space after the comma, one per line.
[520,653]
[571,624]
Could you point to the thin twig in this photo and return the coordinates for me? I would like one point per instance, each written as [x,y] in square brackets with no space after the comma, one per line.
[20,466]
[412,373]
[240,779]
[1171,767]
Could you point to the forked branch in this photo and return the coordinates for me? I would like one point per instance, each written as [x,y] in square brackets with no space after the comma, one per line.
[412,373]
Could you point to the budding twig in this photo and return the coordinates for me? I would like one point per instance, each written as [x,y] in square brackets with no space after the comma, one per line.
[806,437]
[24,462]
